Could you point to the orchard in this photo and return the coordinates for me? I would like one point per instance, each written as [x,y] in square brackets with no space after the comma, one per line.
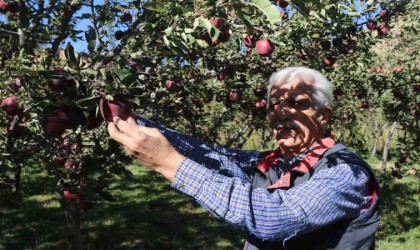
[197,66]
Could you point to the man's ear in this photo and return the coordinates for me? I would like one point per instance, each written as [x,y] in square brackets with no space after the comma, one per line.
[326,116]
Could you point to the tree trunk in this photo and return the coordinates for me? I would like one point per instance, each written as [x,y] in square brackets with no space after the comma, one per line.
[72,217]
[377,133]
[263,144]
[386,148]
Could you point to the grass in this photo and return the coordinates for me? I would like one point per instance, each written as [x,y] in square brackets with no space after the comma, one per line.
[149,214]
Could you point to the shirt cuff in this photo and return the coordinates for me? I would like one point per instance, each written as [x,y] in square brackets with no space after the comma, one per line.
[190,177]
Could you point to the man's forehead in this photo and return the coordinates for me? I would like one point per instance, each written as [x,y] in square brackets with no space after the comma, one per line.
[295,88]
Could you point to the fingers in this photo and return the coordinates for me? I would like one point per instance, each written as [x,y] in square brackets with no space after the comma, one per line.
[117,135]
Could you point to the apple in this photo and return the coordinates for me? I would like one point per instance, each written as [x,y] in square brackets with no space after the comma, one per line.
[127,17]
[338,92]
[371,24]
[417,88]
[69,195]
[261,104]
[284,15]
[224,34]
[282,4]
[337,42]
[326,45]
[75,148]
[344,117]
[52,126]
[259,92]
[384,13]
[71,116]
[59,160]
[17,131]
[328,61]
[380,71]
[397,69]
[234,95]
[57,84]
[171,85]
[119,34]
[250,41]
[70,163]
[94,120]
[220,76]
[219,98]
[3,6]
[412,171]
[196,100]
[383,29]
[14,7]
[118,107]
[343,49]
[11,105]
[17,84]
[208,98]
[217,22]
[264,47]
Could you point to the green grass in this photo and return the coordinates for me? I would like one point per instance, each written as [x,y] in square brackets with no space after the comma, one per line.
[149,214]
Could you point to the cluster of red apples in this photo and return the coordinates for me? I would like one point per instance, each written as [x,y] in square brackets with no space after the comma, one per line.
[10,6]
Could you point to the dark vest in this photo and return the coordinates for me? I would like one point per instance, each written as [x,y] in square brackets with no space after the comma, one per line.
[357,233]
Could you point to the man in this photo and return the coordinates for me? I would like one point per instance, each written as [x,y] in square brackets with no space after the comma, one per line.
[310,193]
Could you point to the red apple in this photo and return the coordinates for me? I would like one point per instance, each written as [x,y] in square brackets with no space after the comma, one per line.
[219,98]
[70,163]
[224,34]
[75,148]
[11,105]
[412,171]
[119,34]
[397,69]
[59,160]
[208,98]
[338,92]
[282,4]
[220,76]
[383,29]
[234,95]
[69,195]
[17,131]
[371,24]
[94,120]
[344,117]
[53,126]
[71,116]
[261,104]
[384,13]
[337,42]
[326,45]
[171,85]
[217,22]
[259,92]
[127,17]
[250,41]
[17,84]
[329,61]
[3,6]
[57,84]
[14,7]
[264,47]
[284,15]
[118,107]
[196,100]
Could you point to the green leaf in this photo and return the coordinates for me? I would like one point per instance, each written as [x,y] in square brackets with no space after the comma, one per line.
[299,5]
[70,54]
[201,43]
[90,34]
[154,6]
[354,14]
[91,46]
[269,9]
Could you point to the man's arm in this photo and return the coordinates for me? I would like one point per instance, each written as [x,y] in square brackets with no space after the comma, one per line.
[333,194]
[234,162]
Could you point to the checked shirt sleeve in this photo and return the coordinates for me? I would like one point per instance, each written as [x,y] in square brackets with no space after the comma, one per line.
[226,161]
[330,195]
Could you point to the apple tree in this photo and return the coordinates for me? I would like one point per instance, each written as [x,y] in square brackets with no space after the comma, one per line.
[197,66]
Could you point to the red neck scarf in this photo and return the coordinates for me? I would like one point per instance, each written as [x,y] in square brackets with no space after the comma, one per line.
[304,166]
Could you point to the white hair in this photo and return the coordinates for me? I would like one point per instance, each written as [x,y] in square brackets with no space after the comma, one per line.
[322,88]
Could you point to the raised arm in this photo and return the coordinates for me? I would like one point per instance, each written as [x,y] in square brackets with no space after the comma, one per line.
[233,162]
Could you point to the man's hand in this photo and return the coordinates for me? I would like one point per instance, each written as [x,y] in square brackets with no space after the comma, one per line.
[147,145]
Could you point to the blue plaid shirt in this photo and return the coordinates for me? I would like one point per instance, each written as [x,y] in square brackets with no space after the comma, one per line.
[220,180]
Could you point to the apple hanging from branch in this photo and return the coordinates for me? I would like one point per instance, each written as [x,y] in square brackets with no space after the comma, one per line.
[117,107]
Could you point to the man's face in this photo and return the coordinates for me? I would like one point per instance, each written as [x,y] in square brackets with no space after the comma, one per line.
[296,121]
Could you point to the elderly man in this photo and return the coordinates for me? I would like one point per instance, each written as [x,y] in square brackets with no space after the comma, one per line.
[309,193]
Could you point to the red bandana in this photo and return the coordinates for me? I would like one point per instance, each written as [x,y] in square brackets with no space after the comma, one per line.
[304,166]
